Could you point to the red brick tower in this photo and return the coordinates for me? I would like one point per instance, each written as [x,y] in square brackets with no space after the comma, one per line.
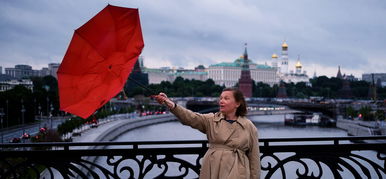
[245,81]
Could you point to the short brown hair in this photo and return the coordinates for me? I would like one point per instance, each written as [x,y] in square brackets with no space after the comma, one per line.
[239,97]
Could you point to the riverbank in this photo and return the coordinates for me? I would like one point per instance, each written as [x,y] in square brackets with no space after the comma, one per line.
[362,128]
[117,125]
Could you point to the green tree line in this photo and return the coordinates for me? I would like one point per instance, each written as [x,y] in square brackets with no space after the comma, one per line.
[42,100]
[319,86]
[180,87]
[45,94]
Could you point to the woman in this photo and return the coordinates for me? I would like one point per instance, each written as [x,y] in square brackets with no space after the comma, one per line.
[233,144]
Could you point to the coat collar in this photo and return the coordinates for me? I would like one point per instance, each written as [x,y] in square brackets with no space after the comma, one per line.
[240,120]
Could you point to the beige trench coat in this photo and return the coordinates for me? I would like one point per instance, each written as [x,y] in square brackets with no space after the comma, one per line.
[233,148]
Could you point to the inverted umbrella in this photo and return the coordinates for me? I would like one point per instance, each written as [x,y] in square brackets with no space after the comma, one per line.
[99,59]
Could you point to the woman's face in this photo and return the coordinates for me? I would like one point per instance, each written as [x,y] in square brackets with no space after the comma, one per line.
[227,102]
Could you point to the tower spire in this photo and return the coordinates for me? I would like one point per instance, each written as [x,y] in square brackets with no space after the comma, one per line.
[339,75]
[245,51]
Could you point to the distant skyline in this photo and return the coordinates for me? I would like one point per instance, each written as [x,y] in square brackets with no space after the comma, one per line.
[326,33]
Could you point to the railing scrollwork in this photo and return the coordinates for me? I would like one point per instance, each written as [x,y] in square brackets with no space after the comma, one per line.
[334,157]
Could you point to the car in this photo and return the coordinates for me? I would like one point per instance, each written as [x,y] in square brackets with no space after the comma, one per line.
[26,136]
[15,140]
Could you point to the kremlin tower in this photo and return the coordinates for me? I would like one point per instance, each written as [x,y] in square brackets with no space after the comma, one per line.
[298,67]
[274,61]
[245,81]
[339,75]
[284,58]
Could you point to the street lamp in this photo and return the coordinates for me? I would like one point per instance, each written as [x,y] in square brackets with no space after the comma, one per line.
[34,109]
[22,114]
[1,120]
[51,109]
[48,102]
[7,112]
[40,113]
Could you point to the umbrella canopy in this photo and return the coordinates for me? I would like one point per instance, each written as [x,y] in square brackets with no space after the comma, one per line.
[99,59]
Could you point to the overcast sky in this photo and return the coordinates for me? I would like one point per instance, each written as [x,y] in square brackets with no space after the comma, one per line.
[187,33]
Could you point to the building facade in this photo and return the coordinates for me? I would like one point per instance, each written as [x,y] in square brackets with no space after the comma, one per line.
[10,84]
[379,78]
[25,71]
[52,70]
[20,71]
[228,74]
[157,75]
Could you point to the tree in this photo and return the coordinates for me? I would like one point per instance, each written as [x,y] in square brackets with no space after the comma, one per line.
[350,112]
[380,115]
[366,113]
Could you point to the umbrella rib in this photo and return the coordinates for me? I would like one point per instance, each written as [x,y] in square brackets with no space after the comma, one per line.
[89,44]
[142,86]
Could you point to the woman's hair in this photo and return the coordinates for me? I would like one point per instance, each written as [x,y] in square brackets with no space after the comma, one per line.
[239,97]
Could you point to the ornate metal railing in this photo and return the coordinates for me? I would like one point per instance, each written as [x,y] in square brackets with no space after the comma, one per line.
[332,157]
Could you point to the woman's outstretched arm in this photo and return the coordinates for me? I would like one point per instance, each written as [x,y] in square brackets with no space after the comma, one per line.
[186,116]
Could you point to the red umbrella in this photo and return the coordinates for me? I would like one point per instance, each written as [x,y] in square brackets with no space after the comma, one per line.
[99,60]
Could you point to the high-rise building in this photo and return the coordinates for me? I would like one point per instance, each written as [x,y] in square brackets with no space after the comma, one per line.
[379,78]
[245,81]
[53,69]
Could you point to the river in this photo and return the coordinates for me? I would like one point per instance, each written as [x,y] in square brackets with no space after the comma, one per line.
[269,126]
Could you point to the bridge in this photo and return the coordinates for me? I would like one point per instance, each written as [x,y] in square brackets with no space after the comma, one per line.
[332,157]
[326,157]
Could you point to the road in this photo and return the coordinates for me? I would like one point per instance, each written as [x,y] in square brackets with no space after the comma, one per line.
[8,134]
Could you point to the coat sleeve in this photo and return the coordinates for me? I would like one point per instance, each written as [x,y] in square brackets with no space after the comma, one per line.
[192,119]
[254,154]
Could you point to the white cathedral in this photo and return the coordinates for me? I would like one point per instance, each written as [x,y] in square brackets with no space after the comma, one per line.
[281,64]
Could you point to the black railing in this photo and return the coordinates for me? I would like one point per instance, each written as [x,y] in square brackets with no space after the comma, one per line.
[331,157]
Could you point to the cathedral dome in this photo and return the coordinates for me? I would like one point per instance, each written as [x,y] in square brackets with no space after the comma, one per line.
[274,56]
[298,64]
[284,45]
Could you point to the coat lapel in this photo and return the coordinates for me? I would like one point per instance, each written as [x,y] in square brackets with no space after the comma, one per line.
[225,130]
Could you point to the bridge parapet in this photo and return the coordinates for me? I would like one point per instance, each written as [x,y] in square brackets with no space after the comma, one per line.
[333,157]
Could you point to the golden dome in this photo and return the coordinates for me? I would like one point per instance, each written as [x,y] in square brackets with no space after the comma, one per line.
[274,56]
[284,45]
[298,64]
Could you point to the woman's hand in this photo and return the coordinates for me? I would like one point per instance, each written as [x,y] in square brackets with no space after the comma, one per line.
[162,98]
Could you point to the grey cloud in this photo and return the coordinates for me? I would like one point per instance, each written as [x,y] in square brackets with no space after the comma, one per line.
[330,33]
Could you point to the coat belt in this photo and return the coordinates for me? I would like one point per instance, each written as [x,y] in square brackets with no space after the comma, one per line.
[240,154]
[222,146]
